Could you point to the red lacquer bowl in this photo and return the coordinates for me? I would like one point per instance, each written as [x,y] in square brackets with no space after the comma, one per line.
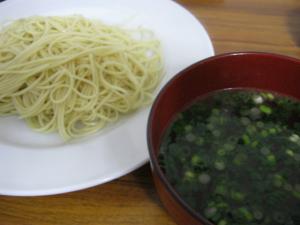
[234,70]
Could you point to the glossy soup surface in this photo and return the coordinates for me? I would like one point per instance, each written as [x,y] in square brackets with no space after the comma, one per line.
[234,157]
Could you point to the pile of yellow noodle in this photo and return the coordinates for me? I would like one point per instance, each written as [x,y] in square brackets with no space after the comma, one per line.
[73,75]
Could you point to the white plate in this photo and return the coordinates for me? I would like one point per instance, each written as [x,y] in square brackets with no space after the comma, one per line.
[41,164]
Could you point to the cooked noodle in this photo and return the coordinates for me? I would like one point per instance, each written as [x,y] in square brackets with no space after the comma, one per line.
[73,75]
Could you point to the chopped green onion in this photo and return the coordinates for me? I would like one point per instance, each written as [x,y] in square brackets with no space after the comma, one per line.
[260,124]
[272,131]
[190,137]
[188,128]
[296,194]
[210,126]
[270,96]
[278,180]
[246,139]
[255,113]
[258,215]
[221,152]
[297,157]
[196,160]
[221,190]
[288,187]
[239,159]
[258,99]
[289,152]
[204,178]
[216,133]
[216,111]
[264,133]
[237,196]
[210,212]
[199,141]
[251,129]
[254,144]
[271,159]
[222,222]
[294,138]
[245,121]
[245,213]
[265,109]
[220,165]
[265,151]
[228,147]
[189,175]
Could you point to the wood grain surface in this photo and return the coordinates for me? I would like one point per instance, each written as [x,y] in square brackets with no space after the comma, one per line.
[233,25]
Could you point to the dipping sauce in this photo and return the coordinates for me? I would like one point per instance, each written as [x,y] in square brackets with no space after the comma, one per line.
[234,157]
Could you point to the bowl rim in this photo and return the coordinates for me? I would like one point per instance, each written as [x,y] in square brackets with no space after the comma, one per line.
[153,159]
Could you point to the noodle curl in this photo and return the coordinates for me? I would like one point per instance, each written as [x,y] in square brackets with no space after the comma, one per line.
[73,75]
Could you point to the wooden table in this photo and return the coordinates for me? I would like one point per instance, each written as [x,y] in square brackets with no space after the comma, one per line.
[233,25]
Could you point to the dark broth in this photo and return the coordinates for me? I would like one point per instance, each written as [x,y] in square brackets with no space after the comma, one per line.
[234,157]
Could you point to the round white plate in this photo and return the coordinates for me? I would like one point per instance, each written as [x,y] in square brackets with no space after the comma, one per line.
[34,164]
